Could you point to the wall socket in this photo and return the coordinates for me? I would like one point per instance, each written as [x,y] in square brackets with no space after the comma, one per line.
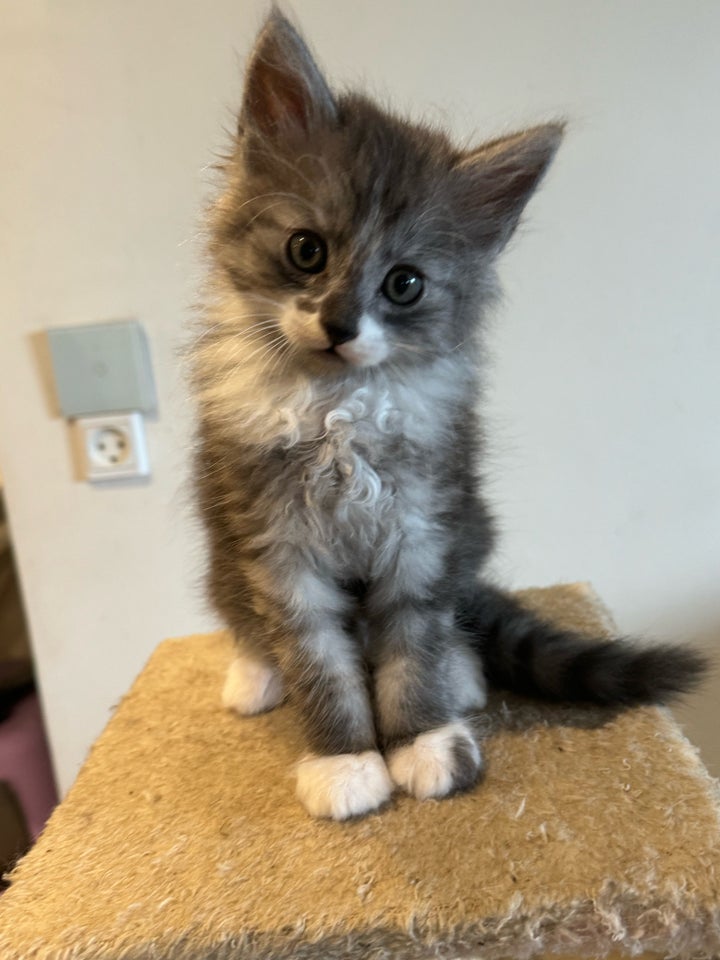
[112,446]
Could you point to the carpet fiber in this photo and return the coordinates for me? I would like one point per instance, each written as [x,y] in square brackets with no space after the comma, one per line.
[182,838]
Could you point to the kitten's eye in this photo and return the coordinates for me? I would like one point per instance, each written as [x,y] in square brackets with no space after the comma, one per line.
[403,285]
[307,251]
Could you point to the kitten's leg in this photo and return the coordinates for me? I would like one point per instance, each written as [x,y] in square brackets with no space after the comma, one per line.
[426,681]
[345,775]
[253,684]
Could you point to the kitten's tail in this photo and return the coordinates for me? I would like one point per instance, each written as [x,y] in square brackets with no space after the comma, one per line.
[523,653]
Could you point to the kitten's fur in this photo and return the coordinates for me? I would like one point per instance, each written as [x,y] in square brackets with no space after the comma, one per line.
[339,444]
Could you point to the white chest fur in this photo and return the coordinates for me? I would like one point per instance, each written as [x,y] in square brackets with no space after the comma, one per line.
[360,474]
[415,406]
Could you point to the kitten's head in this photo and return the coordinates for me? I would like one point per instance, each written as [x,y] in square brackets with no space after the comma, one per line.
[348,238]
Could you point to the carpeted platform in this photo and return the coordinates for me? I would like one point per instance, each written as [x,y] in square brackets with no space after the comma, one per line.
[182,839]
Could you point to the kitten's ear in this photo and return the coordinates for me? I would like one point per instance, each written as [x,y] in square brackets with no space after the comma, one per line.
[501,176]
[285,92]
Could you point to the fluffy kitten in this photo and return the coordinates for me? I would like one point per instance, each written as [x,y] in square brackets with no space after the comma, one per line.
[353,258]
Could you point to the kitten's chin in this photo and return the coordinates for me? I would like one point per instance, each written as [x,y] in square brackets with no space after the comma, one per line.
[360,357]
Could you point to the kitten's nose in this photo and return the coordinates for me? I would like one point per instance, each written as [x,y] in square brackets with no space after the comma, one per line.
[339,316]
[339,332]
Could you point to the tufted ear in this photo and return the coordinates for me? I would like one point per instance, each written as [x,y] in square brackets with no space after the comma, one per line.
[285,92]
[499,177]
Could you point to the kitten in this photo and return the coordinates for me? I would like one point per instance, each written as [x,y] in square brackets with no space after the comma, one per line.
[353,259]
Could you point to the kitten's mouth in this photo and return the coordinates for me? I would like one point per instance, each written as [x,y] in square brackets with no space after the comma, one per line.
[332,352]
[325,359]
[339,357]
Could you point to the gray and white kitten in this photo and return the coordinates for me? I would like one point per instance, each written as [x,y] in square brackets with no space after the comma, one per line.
[353,259]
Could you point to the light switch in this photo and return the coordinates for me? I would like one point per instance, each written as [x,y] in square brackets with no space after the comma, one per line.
[102,368]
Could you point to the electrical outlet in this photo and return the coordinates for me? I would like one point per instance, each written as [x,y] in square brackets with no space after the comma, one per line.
[113,446]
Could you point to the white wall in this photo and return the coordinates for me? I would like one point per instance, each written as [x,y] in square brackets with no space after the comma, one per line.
[604,406]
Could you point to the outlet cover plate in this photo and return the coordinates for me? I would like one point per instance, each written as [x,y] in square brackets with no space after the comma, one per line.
[112,446]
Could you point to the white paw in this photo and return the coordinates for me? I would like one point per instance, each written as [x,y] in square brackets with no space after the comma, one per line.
[347,785]
[251,686]
[437,763]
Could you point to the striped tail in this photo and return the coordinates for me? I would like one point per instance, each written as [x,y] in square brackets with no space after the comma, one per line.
[523,653]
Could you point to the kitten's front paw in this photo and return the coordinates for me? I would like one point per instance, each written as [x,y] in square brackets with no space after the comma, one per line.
[251,686]
[442,761]
[347,785]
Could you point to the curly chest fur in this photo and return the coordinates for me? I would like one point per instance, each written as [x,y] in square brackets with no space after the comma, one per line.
[357,473]
[363,476]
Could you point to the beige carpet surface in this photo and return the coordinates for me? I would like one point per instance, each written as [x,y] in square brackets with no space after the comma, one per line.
[182,838]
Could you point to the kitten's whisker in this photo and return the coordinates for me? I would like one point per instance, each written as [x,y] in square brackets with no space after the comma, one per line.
[290,166]
[323,163]
[219,326]
[279,364]
[266,348]
[260,213]
[230,343]
[279,194]
[272,300]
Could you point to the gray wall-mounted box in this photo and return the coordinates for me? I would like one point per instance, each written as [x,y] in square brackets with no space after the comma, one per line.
[102,368]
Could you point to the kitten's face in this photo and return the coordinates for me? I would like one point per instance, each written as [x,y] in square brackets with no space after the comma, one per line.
[347,238]
[348,246]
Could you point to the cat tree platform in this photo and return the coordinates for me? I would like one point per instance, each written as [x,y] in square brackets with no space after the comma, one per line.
[182,839]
